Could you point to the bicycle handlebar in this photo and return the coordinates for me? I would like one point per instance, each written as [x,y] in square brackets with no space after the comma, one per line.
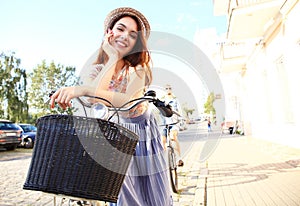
[150,96]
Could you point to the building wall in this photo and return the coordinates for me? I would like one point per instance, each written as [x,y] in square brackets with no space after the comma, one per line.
[270,97]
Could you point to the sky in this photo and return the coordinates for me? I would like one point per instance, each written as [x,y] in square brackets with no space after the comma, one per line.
[69,31]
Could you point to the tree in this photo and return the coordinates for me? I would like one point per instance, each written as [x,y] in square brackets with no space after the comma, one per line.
[44,79]
[208,106]
[188,111]
[13,89]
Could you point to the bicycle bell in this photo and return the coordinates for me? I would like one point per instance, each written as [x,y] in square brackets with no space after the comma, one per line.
[99,110]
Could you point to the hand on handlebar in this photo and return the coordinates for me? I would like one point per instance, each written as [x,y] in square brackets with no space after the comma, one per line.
[64,96]
[165,110]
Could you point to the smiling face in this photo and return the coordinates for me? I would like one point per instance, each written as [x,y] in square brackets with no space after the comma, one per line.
[125,36]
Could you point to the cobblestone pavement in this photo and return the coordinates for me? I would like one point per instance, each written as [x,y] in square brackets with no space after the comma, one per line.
[14,167]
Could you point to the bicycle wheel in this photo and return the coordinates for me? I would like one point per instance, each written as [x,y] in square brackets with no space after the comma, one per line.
[173,169]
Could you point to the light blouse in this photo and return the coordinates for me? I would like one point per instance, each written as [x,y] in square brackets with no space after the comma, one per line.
[119,83]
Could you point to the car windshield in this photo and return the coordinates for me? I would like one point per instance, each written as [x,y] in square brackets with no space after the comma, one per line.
[28,128]
[8,126]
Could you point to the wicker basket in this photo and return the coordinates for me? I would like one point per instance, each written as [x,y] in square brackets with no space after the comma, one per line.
[80,157]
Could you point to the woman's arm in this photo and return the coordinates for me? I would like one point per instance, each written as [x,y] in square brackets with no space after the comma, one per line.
[135,88]
[63,96]
[99,86]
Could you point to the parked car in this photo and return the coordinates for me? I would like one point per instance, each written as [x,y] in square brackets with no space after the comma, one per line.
[28,135]
[10,134]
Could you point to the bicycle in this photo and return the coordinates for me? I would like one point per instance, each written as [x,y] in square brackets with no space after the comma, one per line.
[49,166]
[172,155]
[166,111]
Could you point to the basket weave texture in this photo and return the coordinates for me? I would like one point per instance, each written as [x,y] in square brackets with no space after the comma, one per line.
[80,157]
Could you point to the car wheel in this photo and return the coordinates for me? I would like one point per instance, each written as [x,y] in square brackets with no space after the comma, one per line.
[28,143]
[12,147]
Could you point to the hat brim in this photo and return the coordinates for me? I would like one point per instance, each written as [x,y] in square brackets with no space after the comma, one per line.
[123,11]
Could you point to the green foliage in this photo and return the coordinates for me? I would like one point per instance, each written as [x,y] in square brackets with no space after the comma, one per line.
[23,96]
[208,106]
[13,89]
[47,78]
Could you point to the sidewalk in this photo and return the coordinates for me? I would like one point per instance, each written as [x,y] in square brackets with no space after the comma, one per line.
[191,179]
[248,171]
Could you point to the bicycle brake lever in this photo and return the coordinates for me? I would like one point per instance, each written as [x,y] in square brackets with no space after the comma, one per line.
[51,93]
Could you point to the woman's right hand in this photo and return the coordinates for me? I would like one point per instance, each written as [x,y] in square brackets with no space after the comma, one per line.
[112,53]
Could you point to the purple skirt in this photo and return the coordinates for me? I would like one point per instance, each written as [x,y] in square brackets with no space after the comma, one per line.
[146,182]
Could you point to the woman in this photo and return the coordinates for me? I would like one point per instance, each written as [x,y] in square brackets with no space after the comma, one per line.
[122,72]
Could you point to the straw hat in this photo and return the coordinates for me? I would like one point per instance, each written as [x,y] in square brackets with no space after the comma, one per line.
[123,11]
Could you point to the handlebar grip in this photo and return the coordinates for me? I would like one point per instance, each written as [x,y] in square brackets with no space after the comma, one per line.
[165,110]
[150,93]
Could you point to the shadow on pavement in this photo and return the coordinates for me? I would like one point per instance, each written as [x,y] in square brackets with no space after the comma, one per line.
[227,174]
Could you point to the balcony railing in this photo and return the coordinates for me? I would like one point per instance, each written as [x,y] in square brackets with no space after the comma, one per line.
[246,3]
[226,6]
[243,3]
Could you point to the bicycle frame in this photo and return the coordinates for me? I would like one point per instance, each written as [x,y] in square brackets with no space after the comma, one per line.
[172,158]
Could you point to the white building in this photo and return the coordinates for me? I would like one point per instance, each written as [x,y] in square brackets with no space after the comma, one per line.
[260,58]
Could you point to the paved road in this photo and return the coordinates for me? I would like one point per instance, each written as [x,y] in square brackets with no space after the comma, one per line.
[14,166]
[232,170]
